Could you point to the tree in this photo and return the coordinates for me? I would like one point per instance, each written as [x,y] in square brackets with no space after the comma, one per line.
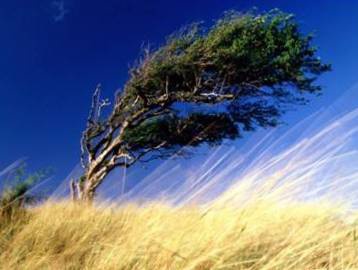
[240,74]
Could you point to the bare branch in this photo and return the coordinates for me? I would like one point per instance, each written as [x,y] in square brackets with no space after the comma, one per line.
[95,105]
[93,129]
[102,104]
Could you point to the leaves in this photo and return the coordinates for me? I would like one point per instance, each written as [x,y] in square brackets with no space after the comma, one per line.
[15,193]
[263,60]
[181,131]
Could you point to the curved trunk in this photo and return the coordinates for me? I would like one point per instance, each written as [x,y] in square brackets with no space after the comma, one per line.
[84,189]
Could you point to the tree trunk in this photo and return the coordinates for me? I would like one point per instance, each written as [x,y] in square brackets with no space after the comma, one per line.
[83,190]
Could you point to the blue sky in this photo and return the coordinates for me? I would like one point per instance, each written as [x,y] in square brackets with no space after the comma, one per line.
[53,53]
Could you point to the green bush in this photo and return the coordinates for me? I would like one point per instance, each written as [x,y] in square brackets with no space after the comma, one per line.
[16,195]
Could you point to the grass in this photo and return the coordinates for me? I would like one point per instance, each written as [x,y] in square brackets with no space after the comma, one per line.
[263,234]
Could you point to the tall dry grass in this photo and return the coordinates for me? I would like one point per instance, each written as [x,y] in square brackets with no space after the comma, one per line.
[261,235]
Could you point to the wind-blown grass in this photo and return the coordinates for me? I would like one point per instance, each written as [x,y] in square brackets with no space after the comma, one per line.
[261,235]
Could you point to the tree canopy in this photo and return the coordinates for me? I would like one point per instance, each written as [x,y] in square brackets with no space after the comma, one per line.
[237,75]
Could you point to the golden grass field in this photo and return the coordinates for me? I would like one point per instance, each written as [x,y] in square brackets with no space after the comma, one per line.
[263,234]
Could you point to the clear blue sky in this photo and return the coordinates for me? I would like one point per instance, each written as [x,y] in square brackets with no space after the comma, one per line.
[53,53]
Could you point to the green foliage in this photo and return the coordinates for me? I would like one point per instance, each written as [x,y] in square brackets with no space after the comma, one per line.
[173,130]
[262,60]
[14,195]
[267,49]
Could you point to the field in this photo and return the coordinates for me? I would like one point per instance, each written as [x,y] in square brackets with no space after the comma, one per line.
[260,235]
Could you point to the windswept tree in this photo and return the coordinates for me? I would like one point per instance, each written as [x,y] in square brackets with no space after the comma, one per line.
[237,75]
